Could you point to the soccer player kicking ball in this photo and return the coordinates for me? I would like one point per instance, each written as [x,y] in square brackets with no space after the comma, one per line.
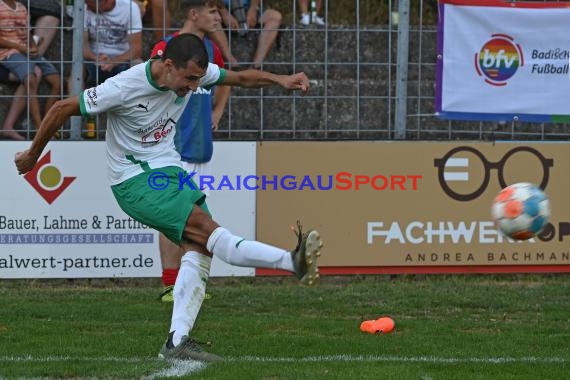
[140,148]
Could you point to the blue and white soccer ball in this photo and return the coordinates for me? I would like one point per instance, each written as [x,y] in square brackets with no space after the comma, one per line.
[521,210]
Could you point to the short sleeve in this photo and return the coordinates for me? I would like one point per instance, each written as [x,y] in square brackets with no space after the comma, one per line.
[214,75]
[136,21]
[101,98]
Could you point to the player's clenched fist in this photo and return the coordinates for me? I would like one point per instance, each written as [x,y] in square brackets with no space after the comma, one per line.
[25,161]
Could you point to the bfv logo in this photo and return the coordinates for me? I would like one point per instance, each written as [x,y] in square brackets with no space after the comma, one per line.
[46,179]
[499,59]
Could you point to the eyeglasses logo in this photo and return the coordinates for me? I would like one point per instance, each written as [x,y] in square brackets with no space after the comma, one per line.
[47,180]
[499,59]
[455,167]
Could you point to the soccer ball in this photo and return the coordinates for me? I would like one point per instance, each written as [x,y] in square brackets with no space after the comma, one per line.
[521,210]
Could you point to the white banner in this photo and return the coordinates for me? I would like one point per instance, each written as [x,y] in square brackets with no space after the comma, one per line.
[62,221]
[503,60]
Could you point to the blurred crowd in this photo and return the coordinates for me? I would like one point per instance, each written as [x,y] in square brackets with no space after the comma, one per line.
[113,42]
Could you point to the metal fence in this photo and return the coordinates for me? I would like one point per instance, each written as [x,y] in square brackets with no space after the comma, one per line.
[369,81]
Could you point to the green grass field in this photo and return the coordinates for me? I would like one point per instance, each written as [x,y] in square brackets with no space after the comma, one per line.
[447,327]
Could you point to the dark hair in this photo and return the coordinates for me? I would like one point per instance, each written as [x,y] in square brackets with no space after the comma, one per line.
[186,47]
[186,5]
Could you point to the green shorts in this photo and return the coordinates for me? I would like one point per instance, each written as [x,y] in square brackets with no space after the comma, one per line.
[165,210]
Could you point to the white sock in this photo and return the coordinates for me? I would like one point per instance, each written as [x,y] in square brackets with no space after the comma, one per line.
[247,253]
[189,291]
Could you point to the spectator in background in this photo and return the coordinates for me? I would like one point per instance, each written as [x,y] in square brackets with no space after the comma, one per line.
[312,17]
[269,20]
[19,56]
[221,40]
[112,39]
[46,17]
[159,14]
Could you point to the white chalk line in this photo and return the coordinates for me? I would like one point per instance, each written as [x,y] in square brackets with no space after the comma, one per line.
[322,358]
[179,368]
[399,359]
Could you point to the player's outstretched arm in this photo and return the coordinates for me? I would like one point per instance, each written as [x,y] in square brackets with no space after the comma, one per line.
[54,119]
[257,78]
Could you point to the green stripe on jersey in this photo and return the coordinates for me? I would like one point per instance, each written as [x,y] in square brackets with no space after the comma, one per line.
[82,107]
[220,80]
[143,164]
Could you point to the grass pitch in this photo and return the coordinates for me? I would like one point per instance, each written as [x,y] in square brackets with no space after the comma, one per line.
[447,327]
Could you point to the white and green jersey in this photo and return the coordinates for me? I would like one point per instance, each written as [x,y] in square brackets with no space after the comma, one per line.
[141,118]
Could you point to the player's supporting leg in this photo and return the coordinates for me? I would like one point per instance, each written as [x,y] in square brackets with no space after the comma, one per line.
[170,259]
[171,253]
[189,292]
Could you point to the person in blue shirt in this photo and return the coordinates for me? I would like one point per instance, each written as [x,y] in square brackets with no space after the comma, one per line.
[193,139]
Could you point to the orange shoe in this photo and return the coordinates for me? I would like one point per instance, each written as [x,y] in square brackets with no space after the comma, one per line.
[382,325]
